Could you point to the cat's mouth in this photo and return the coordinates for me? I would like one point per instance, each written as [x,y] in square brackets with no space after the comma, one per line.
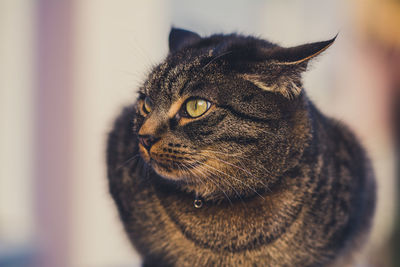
[171,163]
[174,170]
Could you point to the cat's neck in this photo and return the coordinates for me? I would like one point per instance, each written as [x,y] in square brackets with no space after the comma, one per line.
[200,196]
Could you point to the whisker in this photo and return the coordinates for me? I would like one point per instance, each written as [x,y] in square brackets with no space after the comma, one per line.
[199,74]
[214,182]
[242,169]
[235,155]
[226,182]
[123,164]
[222,153]
[191,170]
[233,165]
[215,58]
[181,169]
[255,191]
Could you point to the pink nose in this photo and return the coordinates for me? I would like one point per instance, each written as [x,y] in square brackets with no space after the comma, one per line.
[147,141]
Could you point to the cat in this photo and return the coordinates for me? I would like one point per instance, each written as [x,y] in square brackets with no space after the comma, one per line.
[223,160]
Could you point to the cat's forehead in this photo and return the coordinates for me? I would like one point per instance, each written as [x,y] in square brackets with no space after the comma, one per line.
[197,59]
[172,76]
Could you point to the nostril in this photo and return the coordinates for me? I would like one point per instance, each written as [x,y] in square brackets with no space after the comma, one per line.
[147,140]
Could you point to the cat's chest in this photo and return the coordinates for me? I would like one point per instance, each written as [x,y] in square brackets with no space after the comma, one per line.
[230,227]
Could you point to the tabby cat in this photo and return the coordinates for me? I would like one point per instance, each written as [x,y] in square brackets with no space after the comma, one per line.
[223,160]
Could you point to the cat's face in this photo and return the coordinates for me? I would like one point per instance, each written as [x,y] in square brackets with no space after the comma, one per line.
[223,115]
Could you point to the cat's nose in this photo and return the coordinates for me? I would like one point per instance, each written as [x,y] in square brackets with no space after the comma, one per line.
[147,141]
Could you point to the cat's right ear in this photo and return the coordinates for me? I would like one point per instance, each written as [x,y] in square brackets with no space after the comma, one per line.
[180,38]
[285,68]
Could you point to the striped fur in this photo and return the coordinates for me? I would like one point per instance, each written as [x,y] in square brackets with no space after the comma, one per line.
[282,185]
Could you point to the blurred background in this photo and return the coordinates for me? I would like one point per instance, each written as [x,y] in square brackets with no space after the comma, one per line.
[67,67]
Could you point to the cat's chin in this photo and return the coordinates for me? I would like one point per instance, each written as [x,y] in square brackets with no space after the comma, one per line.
[174,175]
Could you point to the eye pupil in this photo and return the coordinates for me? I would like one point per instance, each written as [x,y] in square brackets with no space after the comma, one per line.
[147,104]
[197,107]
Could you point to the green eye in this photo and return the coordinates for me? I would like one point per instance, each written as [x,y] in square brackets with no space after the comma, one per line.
[197,107]
[148,105]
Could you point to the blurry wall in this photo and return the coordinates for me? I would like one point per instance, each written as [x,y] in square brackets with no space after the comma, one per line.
[115,44]
[67,67]
[16,130]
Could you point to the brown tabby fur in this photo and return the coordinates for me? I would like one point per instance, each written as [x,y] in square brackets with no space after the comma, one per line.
[281,184]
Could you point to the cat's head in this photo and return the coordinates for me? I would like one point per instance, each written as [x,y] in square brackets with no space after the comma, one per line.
[225,115]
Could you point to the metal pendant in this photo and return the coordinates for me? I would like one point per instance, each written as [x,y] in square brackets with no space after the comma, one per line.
[198,202]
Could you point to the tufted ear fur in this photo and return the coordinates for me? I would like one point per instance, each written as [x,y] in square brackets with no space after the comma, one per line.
[180,38]
[282,72]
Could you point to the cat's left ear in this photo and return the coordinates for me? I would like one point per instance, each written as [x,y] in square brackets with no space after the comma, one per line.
[285,65]
[180,38]
[300,54]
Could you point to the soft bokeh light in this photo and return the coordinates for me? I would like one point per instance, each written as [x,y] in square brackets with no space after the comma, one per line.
[67,67]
